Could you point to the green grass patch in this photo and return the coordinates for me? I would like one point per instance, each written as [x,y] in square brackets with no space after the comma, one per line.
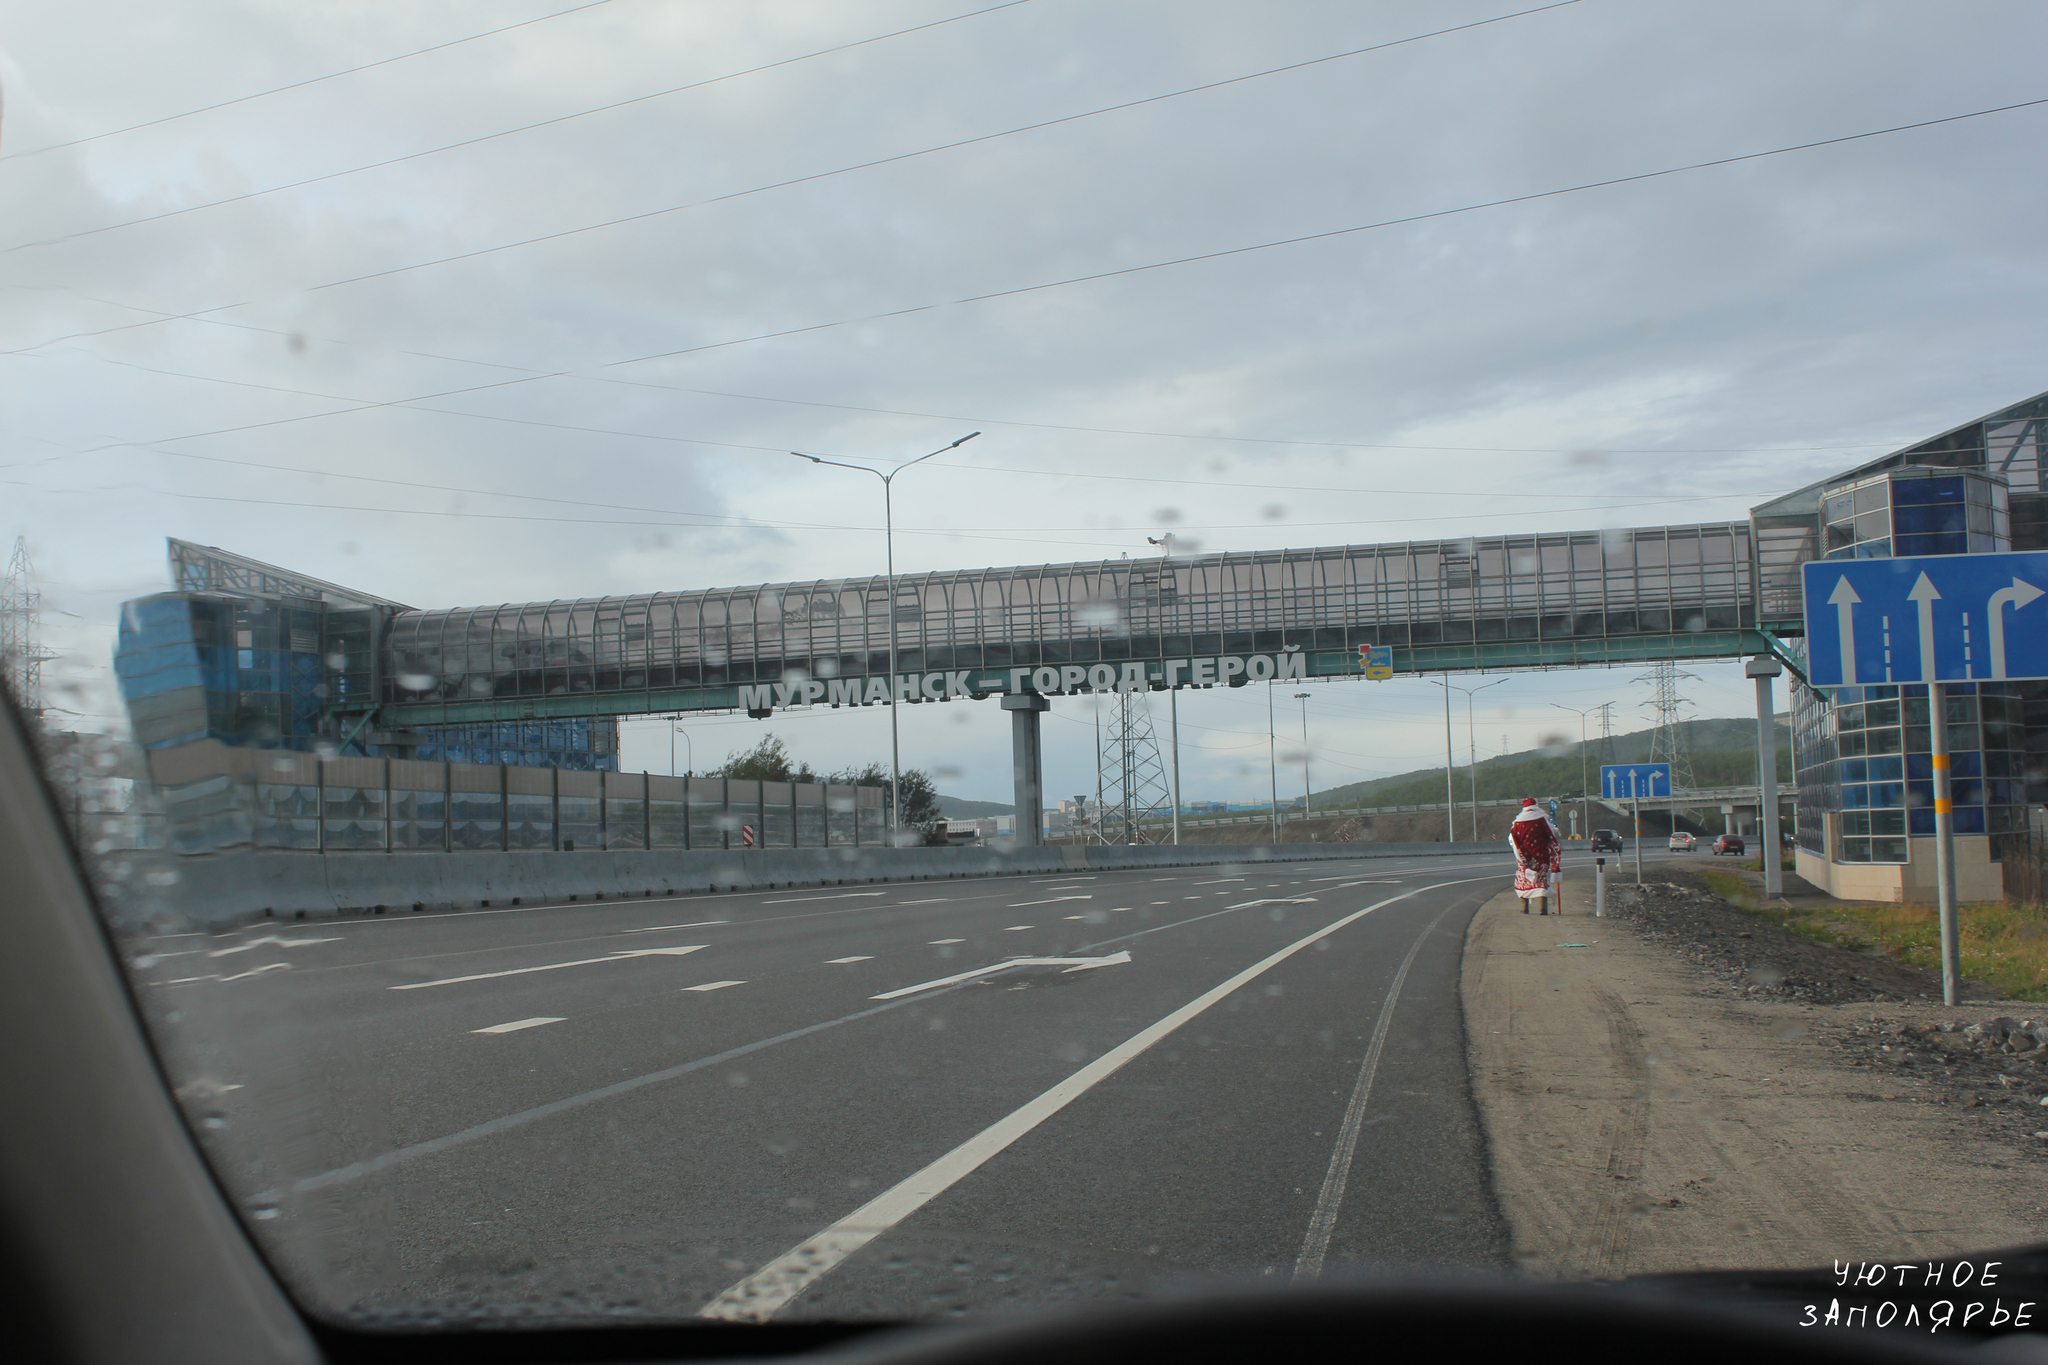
[2002,945]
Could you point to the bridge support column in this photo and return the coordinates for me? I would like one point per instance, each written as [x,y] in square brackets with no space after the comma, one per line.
[1764,668]
[1028,761]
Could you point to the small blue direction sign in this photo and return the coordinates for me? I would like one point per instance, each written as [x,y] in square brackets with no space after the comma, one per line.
[1620,781]
[1928,618]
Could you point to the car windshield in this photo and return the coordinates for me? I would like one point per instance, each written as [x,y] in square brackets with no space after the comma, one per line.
[908,661]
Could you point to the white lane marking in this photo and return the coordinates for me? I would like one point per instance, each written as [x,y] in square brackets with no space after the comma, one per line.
[1218,882]
[714,985]
[1050,880]
[1118,909]
[1273,900]
[271,939]
[935,900]
[1077,917]
[518,1024]
[836,896]
[657,928]
[761,1295]
[1308,1267]
[937,941]
[552,966]
[1072,964]
[1168,902]
[835,961]
[1015,927]
[258,971]
[1019,905]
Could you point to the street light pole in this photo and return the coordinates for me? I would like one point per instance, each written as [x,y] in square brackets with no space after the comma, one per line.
[1307,792]
[1273,763]
[1472,752]
[1165,544]
[1450,766]
[1585,810]
[889,553]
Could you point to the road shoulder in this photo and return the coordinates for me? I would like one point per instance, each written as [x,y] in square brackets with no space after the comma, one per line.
[1639,1120]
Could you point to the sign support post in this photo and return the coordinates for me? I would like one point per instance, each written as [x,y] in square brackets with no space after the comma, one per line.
[1636,800]
[1944,844]
[1763,668]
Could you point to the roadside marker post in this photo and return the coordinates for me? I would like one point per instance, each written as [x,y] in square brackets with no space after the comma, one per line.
[1599,888]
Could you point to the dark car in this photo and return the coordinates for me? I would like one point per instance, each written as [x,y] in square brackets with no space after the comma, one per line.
[1606,841]
[1730,843]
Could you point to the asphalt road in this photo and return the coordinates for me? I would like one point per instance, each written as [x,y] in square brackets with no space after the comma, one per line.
[785,1103]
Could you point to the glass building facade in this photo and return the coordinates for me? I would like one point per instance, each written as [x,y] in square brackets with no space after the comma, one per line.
[250,655]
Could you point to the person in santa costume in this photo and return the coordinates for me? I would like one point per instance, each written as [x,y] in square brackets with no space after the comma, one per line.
[1539,858]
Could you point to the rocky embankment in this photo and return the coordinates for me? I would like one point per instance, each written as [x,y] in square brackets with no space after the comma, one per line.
[1981,1054]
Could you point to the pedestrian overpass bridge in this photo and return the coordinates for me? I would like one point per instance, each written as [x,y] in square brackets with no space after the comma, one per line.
[1508,602]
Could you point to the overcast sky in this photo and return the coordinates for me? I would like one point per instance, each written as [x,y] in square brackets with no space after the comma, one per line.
[237,327]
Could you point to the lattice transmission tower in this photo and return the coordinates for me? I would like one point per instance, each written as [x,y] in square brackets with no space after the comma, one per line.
[1134,786]
[1669,742]
[21,652]
[1607,758]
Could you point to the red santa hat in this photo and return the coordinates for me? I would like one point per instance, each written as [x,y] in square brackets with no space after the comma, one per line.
[1528,800]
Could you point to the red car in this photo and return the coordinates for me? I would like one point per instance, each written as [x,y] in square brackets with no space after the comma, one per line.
[1729,843]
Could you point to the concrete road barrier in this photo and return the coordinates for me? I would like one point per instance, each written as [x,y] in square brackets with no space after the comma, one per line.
[235,887]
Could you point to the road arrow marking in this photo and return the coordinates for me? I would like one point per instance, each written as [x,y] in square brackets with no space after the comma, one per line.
[1923,596]
[1072,964]
[553,966]
[2018,595]
[276,942]
[1844,599]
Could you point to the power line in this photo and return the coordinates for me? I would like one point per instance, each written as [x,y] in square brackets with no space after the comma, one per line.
[1307,237]
[1102,275]
[688,440]
[947,417]
[299,85]
[524,128]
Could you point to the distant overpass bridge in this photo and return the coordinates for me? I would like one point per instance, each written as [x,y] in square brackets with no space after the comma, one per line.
[1507,602]
[1717,590]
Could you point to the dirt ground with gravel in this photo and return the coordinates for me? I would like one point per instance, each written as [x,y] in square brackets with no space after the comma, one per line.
[1683,1086]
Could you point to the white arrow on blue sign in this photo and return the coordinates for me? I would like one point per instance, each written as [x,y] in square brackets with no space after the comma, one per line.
[1928,618]
[1620,781]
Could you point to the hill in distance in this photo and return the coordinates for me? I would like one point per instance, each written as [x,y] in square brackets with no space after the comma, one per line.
[1723,754]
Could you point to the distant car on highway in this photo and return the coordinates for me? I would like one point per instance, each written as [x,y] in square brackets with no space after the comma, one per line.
[1681,842]
[1606,841]
[1730,843]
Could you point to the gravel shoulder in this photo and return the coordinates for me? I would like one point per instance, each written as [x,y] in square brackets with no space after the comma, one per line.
[1680,1086]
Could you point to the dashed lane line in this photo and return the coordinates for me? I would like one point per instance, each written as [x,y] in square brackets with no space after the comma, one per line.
[714,985]
[518,1024]
[1019,905]
[1015,927]
[835,896]
[551,966]
[657,928]
[938,941]
[839,961]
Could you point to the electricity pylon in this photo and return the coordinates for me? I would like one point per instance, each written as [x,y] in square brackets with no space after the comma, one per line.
[1134,787]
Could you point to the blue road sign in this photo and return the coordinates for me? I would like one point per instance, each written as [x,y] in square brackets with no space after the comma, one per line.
[1928,618]
[1620,781]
